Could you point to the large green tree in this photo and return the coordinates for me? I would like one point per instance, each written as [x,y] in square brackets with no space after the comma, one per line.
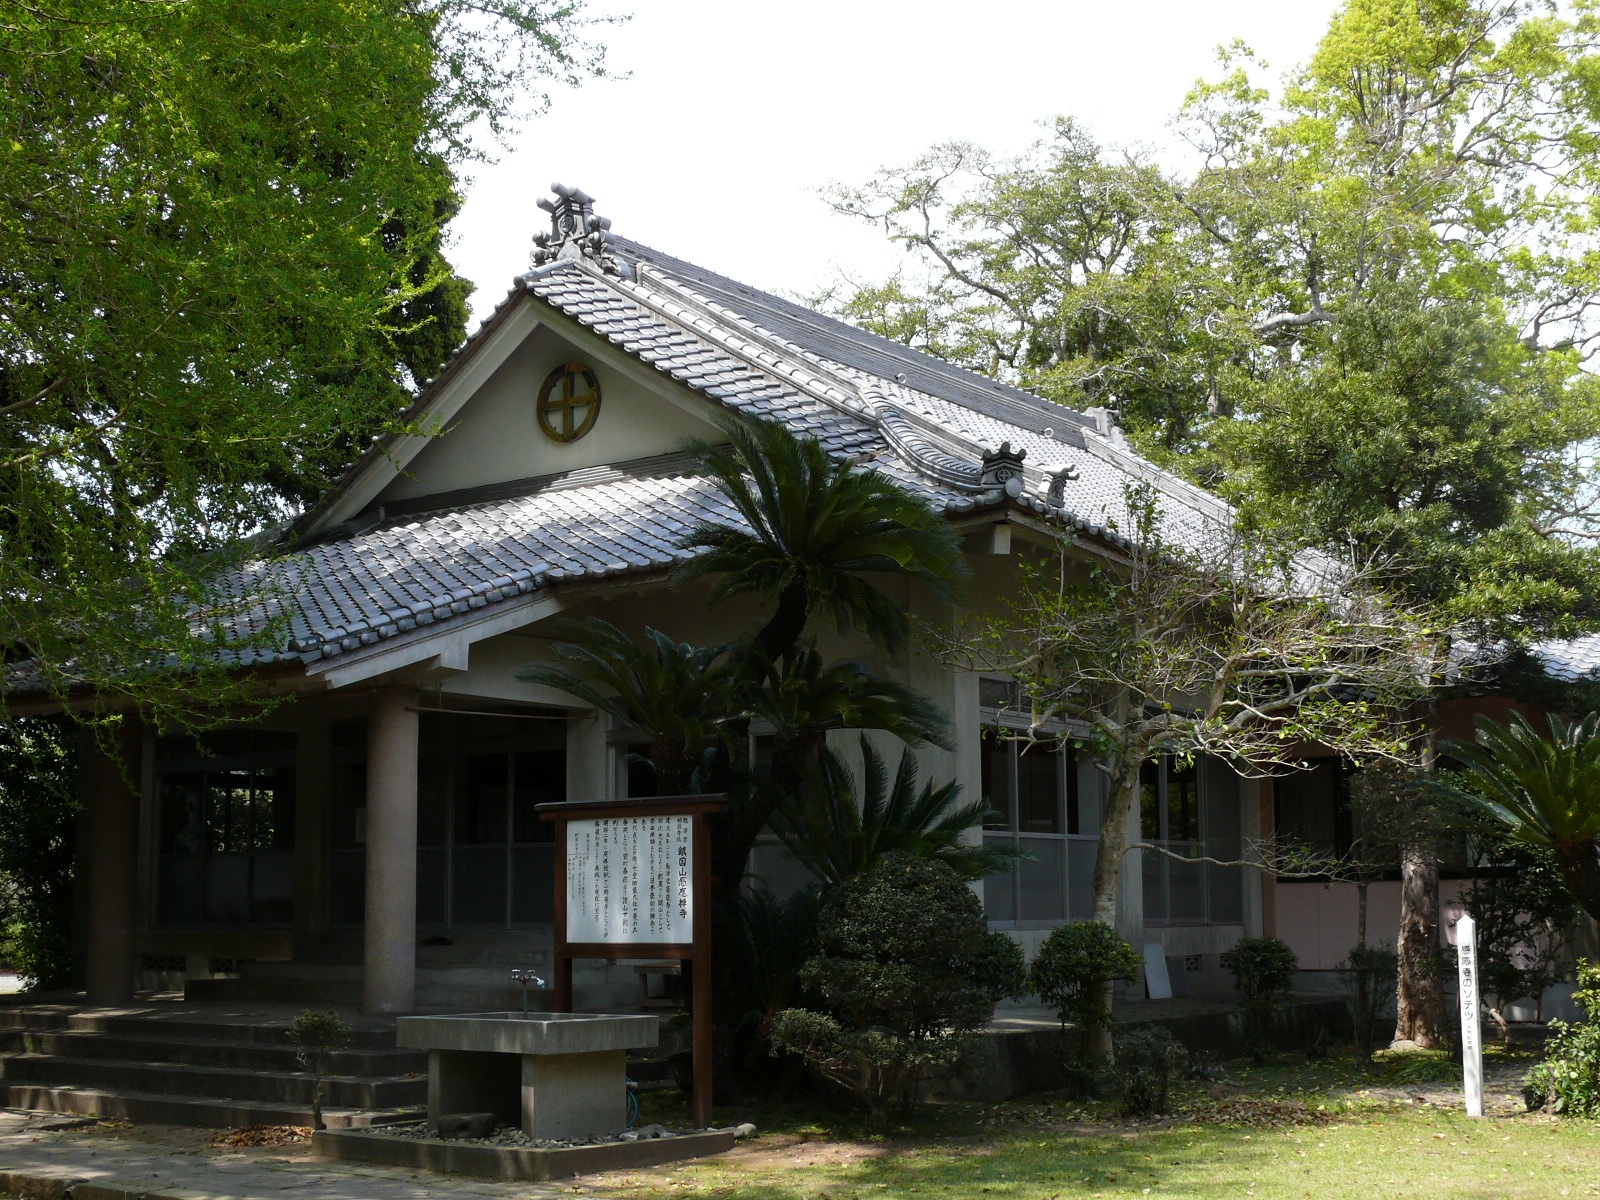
[1362,309]
[221,229]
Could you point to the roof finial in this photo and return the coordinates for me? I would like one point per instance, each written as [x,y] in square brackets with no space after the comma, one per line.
[575,231]
[1002,468]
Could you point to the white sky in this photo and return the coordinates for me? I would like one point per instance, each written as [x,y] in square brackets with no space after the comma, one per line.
[734,114]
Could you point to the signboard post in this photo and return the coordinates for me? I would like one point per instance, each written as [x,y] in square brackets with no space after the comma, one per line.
[1471,1027]
[633,879]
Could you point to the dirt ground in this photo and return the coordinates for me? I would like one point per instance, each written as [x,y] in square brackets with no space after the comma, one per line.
[1272,1097]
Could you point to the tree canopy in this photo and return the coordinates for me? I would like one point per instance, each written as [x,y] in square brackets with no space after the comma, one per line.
[1363,306]
[222,229]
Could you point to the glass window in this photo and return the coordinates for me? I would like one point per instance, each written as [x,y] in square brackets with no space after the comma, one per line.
[225,830]
[1150,801]
[541,778]
[995,767]
[480,818]
[1308,805]
[1039,788]
[999,693]
[1183,802]
[1194,820]
[1031,790]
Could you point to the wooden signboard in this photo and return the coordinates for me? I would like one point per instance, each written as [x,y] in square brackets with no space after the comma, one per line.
[633,880]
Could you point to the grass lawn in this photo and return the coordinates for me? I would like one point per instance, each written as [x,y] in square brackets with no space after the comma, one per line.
[1291,1129]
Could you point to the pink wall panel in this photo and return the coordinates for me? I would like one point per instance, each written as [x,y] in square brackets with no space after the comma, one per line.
[1319,920]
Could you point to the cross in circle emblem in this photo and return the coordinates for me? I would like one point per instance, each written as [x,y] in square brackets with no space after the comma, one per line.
[569,402]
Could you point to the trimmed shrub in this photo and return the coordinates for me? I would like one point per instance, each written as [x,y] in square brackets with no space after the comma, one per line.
[1263,968]
[1368,978]
[906,970]
[1146,1059]
[1568,1079]
[1072,968]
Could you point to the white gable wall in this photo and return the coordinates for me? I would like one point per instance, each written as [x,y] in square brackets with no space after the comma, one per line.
[495,436]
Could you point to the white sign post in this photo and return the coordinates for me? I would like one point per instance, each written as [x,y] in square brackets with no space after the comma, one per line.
[1471,1028]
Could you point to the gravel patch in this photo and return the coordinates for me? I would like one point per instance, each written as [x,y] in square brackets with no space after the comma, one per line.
[511,1135]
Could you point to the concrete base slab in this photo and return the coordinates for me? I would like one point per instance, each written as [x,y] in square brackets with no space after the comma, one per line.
[515,1163]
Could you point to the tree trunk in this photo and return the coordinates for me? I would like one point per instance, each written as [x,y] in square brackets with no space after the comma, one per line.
[1361,914]
[1420,996]
[788,621]
[1419,992]
[1107,881]
[1580,870]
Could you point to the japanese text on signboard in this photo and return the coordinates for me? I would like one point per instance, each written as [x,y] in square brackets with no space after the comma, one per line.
[629,880]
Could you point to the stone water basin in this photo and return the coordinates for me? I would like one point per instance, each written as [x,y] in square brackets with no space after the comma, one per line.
[533,1033]
[558,1075]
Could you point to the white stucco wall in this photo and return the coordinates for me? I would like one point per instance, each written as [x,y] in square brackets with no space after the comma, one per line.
[496,438]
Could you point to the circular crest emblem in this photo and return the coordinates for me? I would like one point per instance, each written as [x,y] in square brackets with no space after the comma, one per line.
[569,402]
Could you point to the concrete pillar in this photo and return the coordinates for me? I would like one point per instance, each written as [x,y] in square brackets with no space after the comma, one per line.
[1256,881]
[389,978]
[588,762]
[111,862]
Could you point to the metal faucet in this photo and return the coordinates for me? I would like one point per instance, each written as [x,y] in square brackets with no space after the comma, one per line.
[525,976]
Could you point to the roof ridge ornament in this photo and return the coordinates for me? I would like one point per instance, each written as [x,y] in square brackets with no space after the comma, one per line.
[575,233]
[1057,495]
[1105,424]
[1002,468]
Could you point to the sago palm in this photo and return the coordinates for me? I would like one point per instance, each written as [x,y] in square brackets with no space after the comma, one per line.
[677,694]
[836,836]
[801,698]
[1541,791]
[815,526]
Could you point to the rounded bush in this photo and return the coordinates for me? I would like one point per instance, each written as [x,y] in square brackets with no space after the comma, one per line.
[906,968]
[905,946]
[1263,968]
[1072,968]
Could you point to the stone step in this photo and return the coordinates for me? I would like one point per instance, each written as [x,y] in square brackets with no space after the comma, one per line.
[162,1078]
[244,1028]
[208,1052]
[204,1111]
[444,994]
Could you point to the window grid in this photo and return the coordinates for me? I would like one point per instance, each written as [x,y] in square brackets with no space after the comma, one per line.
[1032,789]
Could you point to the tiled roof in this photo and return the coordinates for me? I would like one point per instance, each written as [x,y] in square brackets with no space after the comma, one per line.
[360,589]
[1571,659]
[934,427]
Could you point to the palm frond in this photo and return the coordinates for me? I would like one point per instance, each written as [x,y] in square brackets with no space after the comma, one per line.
[836,837]
[816,523]
[1539,790]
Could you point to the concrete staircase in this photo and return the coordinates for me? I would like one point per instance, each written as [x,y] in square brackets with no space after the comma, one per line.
[178,1069]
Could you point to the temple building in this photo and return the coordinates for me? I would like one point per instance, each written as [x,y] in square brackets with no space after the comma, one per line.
[375,839]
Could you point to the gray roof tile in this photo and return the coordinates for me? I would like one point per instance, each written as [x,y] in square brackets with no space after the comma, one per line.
[751,353]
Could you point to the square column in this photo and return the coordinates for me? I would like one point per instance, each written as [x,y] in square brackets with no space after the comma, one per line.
[575,1095]
[111,864]
[389,976]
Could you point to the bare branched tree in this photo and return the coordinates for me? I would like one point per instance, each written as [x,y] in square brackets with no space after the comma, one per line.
[1223,645]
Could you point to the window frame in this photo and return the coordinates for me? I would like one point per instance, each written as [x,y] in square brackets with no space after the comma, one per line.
[996,721]
[176,760]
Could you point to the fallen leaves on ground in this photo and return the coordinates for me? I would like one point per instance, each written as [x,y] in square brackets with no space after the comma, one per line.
[260,1135]
[1261,1113]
